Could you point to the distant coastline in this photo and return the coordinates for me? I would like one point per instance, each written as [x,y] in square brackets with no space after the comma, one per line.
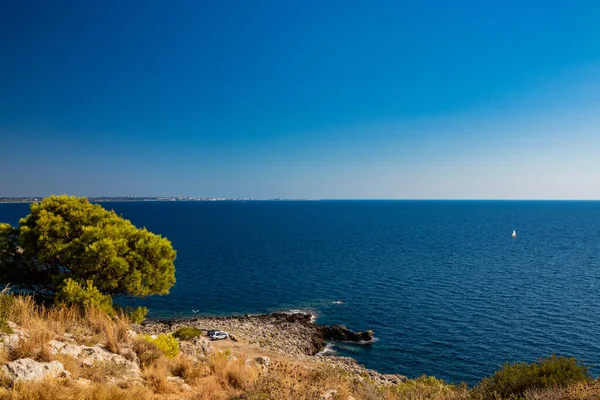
[108,199]
[138,199]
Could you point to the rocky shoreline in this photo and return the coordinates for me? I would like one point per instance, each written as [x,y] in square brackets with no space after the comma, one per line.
[293,334]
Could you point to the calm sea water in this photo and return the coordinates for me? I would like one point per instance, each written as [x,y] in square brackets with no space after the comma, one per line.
[446,289]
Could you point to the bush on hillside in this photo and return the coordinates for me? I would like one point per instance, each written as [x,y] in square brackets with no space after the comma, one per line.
[146,351]
[11,259]
[85,297]
[167,344]
[513,380]
[425,387]
[6,302]
[187,333]
[137,315]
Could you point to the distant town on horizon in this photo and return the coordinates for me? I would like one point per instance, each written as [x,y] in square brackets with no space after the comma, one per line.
[100,199]
[106,199]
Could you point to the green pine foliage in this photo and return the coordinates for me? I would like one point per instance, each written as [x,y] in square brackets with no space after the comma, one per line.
[166,343]
[137,315]
[187,333]
[11,259]
[72,293]
[6,302]
[514,380]
[68,237]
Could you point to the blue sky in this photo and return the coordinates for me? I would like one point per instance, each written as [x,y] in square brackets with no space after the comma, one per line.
[301,99]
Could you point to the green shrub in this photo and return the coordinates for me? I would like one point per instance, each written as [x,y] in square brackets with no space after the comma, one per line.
[69,237]
[187,333]
[425,387]
[166,343]
[137,315]
[146,351]
[72,293]
[513,380]
[6,302]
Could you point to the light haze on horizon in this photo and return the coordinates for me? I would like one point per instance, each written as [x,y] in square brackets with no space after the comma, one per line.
[385,100]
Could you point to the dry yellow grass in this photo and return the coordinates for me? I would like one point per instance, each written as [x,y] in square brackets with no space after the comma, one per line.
[35,345]
[188,370]
[70,364]
[210,389]
[156,378]
[45,323]
[53,390]
[3,356]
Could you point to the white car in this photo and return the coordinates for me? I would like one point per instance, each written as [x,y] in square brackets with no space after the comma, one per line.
[219,335]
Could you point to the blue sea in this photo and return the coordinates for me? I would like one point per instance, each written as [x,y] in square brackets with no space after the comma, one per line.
[446,289]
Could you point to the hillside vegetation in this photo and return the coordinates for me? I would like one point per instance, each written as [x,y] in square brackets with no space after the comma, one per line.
[102,357]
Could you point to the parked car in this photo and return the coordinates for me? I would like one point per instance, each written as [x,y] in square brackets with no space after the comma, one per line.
[212,332]
[219,335]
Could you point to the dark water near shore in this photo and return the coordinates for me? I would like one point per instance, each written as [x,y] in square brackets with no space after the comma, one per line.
[446,289]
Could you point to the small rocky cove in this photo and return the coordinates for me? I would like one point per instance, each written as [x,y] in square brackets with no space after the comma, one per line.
[81,357]
[293,334]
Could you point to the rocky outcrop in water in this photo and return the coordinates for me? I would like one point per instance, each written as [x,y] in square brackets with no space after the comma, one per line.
[340,333]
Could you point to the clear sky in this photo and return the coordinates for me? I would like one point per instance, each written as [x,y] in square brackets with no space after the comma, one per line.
[301,99]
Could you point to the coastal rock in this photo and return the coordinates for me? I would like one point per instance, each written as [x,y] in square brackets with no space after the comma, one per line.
[179,382]
[196,348]
[131,334]
[329,394]
[351,366]
[342,334]
[83,382]
[261,363]
[263,360]
[392,379]
[9,341]
[89,356]
[291,333]
[294,334]
[27,369]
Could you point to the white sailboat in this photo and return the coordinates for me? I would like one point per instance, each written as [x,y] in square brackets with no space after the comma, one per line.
[514,234]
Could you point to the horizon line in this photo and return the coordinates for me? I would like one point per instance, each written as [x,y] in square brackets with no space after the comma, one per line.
[31,199]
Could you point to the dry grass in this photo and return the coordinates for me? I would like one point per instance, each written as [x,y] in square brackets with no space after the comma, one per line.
[579,391]
[35,345]
[54,390]
[156,377]
[70,363]
[427,387]
[45,323]
[103,371]
[188,370]
[240,376]
[147,352]
[114,330]
[4,357]
[222,376]
[4,381]
[294,380]
[211,389]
